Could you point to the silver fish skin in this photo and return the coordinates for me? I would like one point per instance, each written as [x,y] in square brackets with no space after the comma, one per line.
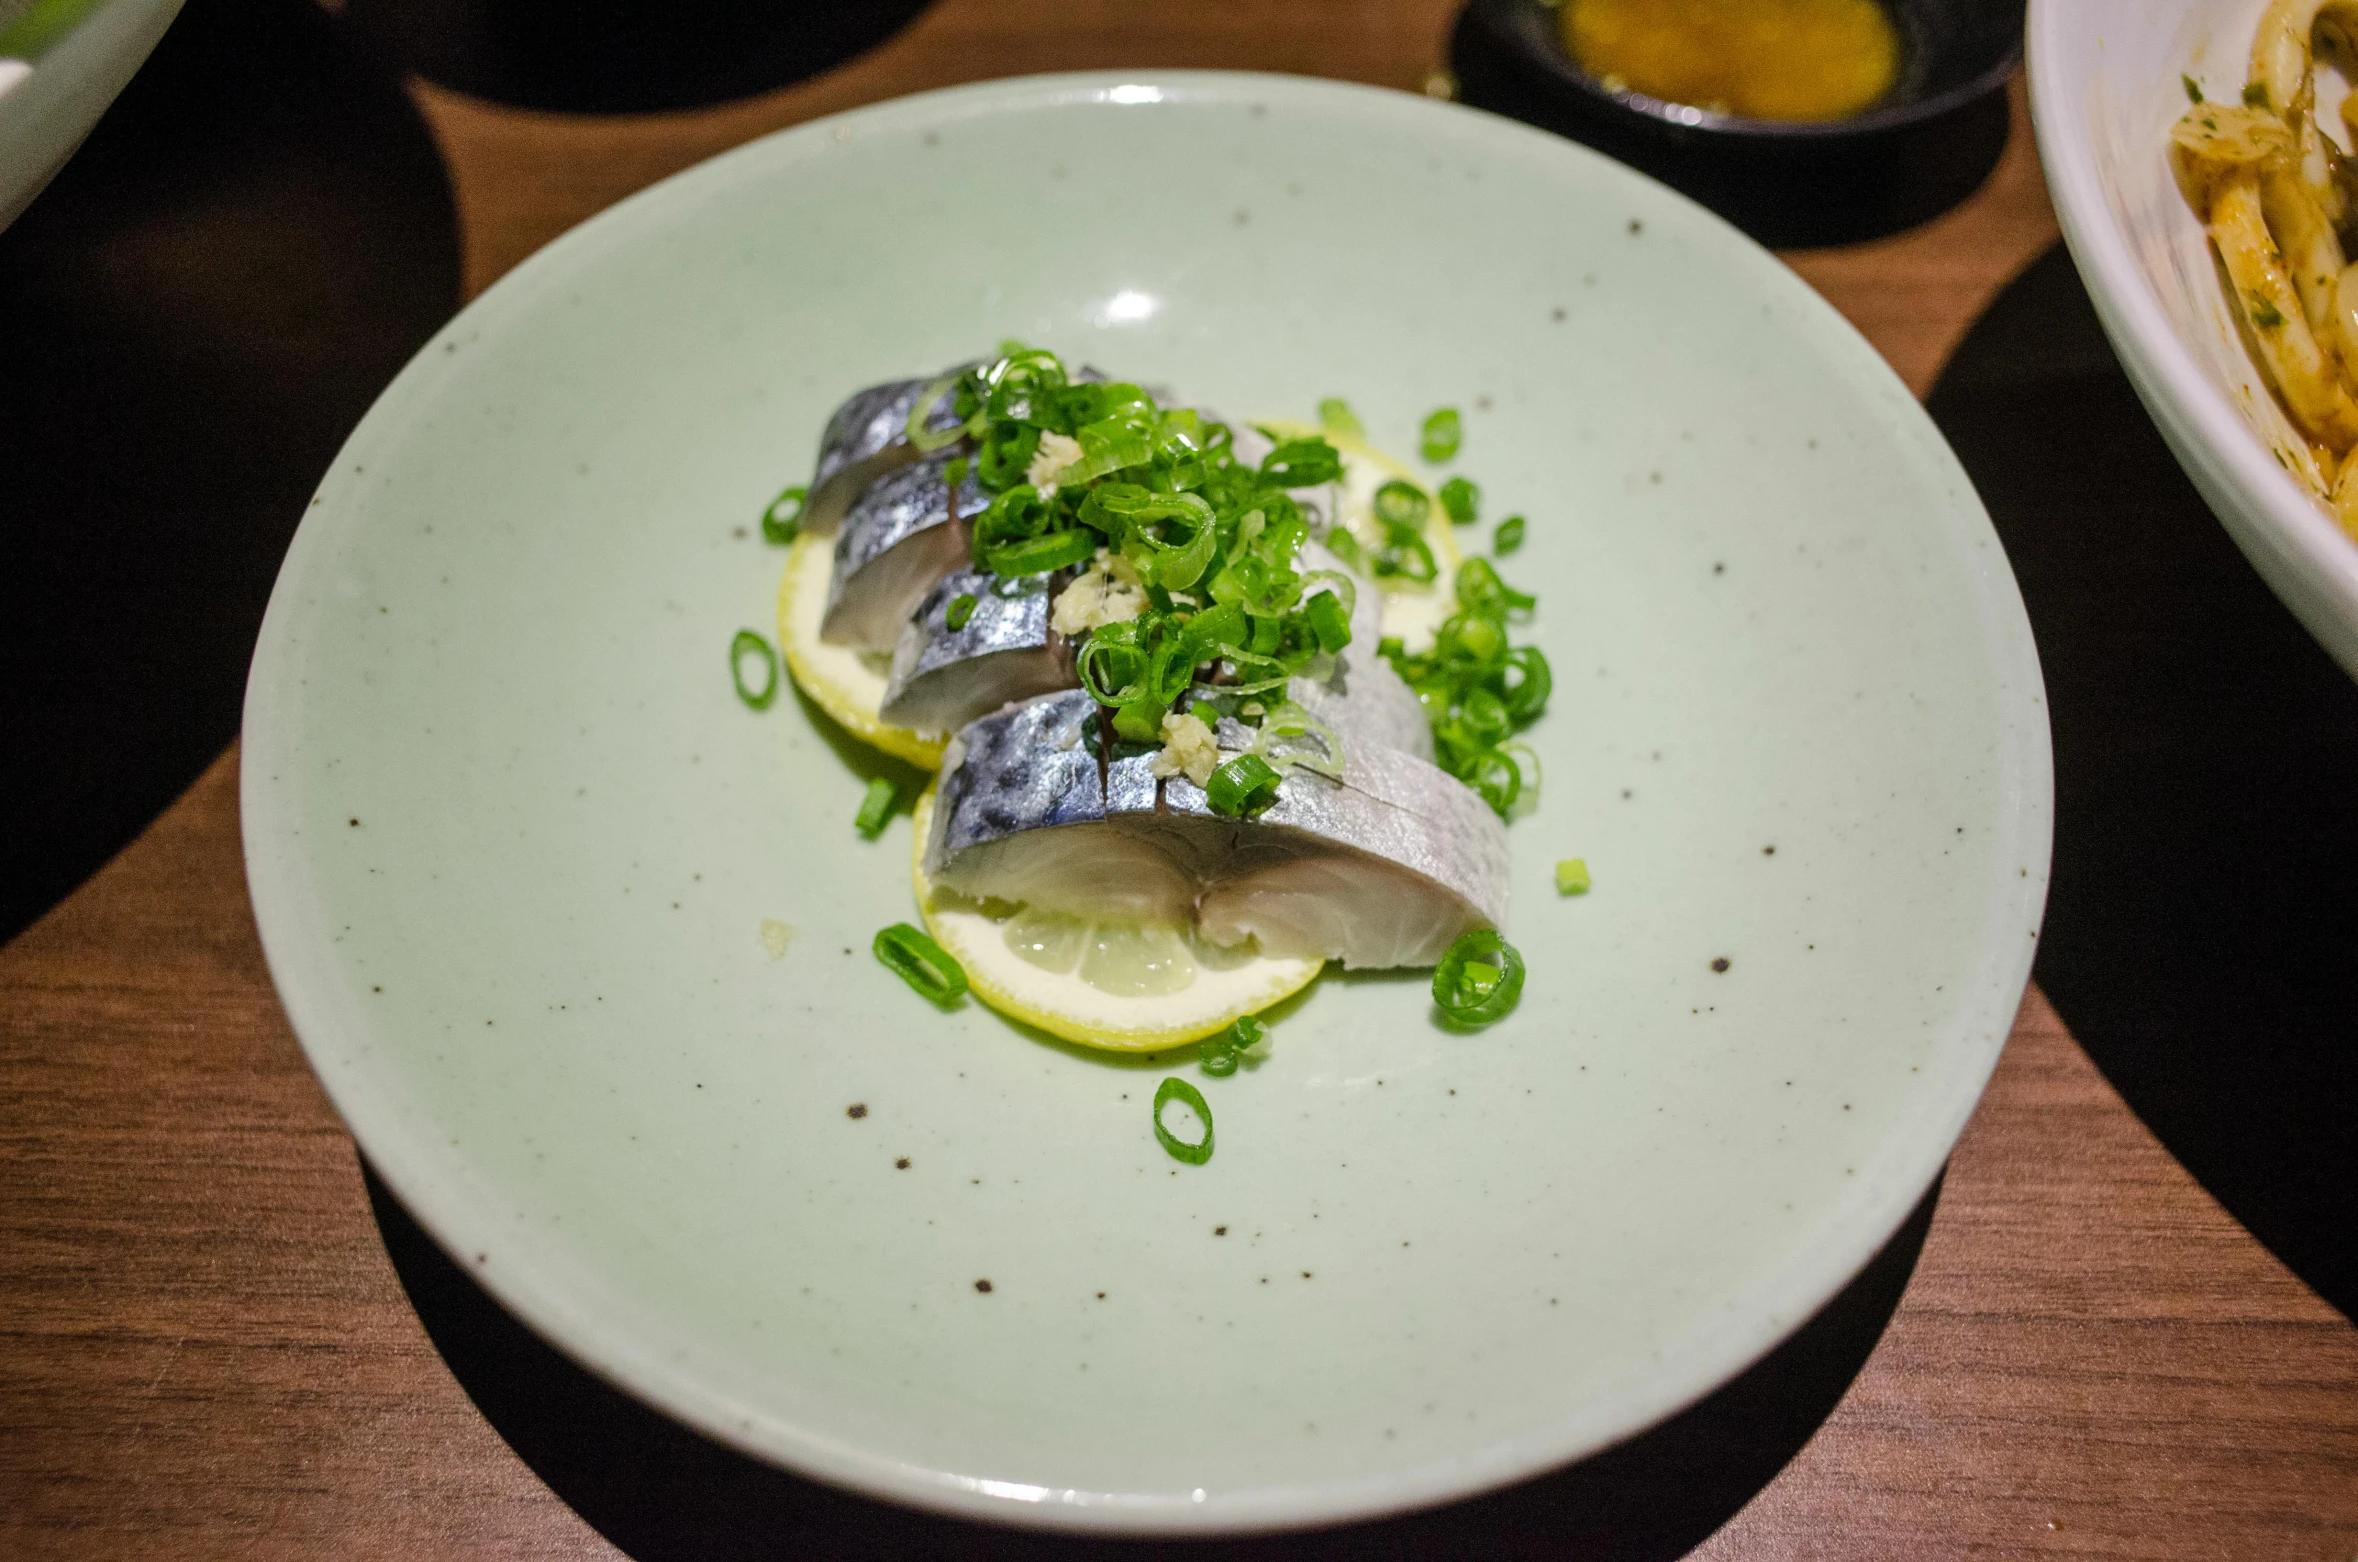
[1385,868]
[894,546]
[867,437]
[942,678]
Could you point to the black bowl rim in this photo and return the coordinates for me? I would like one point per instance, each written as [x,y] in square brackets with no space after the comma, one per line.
[1685,118]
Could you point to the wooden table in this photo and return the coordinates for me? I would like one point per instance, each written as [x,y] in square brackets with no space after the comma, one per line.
[204,1351]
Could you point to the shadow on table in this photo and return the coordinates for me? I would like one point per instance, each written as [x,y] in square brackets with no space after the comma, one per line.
[665,1494]
[2202,930]
[192,317]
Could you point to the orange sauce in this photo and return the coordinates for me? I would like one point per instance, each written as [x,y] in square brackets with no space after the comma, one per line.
[1763,59]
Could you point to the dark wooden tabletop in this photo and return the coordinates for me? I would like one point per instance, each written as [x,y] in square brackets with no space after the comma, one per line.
[204,1350]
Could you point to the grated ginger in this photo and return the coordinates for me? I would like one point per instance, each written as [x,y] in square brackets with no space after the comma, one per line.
[1098,596]
[1056,452]
[1188,750]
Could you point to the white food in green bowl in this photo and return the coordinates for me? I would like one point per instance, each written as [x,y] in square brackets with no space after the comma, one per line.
[580,945]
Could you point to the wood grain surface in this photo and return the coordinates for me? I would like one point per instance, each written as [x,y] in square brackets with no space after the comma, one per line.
[204,1351]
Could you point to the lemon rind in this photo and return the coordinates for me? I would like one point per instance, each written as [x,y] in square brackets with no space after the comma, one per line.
[832,675]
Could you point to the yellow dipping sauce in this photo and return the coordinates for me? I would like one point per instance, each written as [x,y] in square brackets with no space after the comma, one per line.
[1763,59]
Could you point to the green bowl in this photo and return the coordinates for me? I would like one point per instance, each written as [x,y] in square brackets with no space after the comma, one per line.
[512,837]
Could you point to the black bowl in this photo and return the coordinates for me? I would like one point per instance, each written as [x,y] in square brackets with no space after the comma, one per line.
[1925,147]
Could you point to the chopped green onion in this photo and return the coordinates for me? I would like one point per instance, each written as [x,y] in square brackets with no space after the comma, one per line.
[1401,503]
[1177,1089]
[1336,417]
[1461,498]
[1302,463]
[2255,95]
[1509,535]
[1479,980]
[1442,435]
[922,963]
[961,609]
[1245,785]
[1039,555]
[783,518]
[748,644]
[876,807]
[1328,621]
[1572,876]
[2193,89]
[1222,1054]
[1409,556]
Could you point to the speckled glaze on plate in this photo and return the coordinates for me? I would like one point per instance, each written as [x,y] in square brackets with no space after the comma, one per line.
[512,838]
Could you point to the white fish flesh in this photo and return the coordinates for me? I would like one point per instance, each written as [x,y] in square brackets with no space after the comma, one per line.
[895,544]
[1384,868]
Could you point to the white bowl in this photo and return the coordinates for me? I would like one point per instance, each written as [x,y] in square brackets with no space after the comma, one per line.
[48,106]
[511,835]
[2105,88]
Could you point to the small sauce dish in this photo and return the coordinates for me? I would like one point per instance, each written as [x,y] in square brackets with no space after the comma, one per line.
[1915,149]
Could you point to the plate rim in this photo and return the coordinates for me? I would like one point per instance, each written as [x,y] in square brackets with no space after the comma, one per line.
[1788,1295]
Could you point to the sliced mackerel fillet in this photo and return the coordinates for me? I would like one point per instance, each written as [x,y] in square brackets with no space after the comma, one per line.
[942,678]
[896,543]
[867,437]
[1385,868]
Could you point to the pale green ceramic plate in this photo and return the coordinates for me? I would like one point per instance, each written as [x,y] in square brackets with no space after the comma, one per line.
[512,837]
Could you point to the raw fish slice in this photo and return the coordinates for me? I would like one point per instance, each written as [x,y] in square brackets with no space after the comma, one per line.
[1420,860]
[867,437]
[942,678]
[1027,813]
[896,543]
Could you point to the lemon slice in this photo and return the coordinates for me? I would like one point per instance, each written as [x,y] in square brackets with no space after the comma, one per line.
[1412,611]
[1114,985]
[847,684]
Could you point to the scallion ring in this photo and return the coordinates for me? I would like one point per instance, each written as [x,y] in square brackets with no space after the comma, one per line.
[1039,555]
[1245,785]
[747,644]
[783,518]
[1442,434]
[1329,620]
[1509,535]
[961,609]
[1462,498]
[1177,1089]
[875,808]
[922,963]
[1336,417]
[1401,503]
[1479,980]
